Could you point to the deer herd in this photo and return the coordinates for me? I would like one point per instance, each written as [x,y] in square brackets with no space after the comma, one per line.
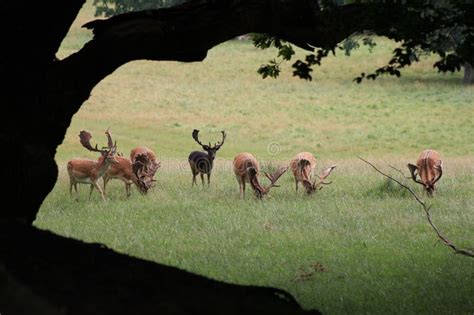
[142,165]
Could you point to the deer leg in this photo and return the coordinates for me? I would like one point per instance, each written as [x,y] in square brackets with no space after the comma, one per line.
[296,181]
[99,189]
[194,176]
[208,179]
[202,178]
[77,193]
[195,172]
[241,182]
[127,189]
[91,190]
[71,183]
[106,180]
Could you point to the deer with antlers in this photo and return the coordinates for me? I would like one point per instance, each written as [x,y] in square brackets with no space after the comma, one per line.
[302,166]
[86,171]
[202,162]
[429,168]
[246,169]
[140,170]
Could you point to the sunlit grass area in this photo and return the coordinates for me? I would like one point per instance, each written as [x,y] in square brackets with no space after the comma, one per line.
[360,245]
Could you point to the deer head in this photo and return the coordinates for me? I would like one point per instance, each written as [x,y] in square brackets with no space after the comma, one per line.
[108,152]
[261,191]
[426,181]
[211,150]
[145,169]
[318,183]
[429,169]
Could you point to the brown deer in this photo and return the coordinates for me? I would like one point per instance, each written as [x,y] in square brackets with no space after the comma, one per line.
[429,168]
[202,162]
[86,171]
[139,170]
[246,169]
[144,165]
[302,166]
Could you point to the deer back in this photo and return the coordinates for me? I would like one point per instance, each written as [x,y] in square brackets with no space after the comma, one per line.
[302,170]
[428,166]
[142,150]
[242,162]
[82,169]
[121,169]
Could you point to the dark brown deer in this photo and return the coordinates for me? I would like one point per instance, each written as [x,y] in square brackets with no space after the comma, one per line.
[429,168]
[139,170]
[202,162]
[302,166]
[246,169]
[144,165]
[86,171]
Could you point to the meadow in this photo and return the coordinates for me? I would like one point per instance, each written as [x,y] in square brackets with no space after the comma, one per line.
[360,245]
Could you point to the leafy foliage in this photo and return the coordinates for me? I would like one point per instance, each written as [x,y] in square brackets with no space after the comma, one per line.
[285,52]
[427,27]
[113,7]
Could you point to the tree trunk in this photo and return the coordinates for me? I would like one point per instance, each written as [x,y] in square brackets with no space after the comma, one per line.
[468,74]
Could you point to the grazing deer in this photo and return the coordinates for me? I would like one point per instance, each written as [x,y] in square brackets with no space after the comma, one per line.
[86,171]
[429,168]
[139,170]
[302,166]
[246,169]
[202,162]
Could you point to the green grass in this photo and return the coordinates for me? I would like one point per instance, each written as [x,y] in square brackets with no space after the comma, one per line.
[358,246]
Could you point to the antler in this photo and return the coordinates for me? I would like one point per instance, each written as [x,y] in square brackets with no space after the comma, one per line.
[413,169]
[110,143]
[273,178]
[323,176]
[143,164]
[218,145]
[196,137]
[85,137]
[440,170]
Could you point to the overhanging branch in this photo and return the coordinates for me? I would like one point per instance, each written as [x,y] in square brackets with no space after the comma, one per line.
[186,32]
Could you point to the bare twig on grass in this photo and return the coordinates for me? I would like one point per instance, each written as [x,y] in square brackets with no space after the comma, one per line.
[306,273]
[426,209]
[400,171]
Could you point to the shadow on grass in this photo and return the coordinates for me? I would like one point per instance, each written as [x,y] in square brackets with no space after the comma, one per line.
[387,188]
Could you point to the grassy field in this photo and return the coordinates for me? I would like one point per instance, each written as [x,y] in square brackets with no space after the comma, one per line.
[358,246]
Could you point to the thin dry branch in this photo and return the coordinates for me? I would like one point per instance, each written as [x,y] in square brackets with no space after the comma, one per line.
[400,171]
[426,209]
